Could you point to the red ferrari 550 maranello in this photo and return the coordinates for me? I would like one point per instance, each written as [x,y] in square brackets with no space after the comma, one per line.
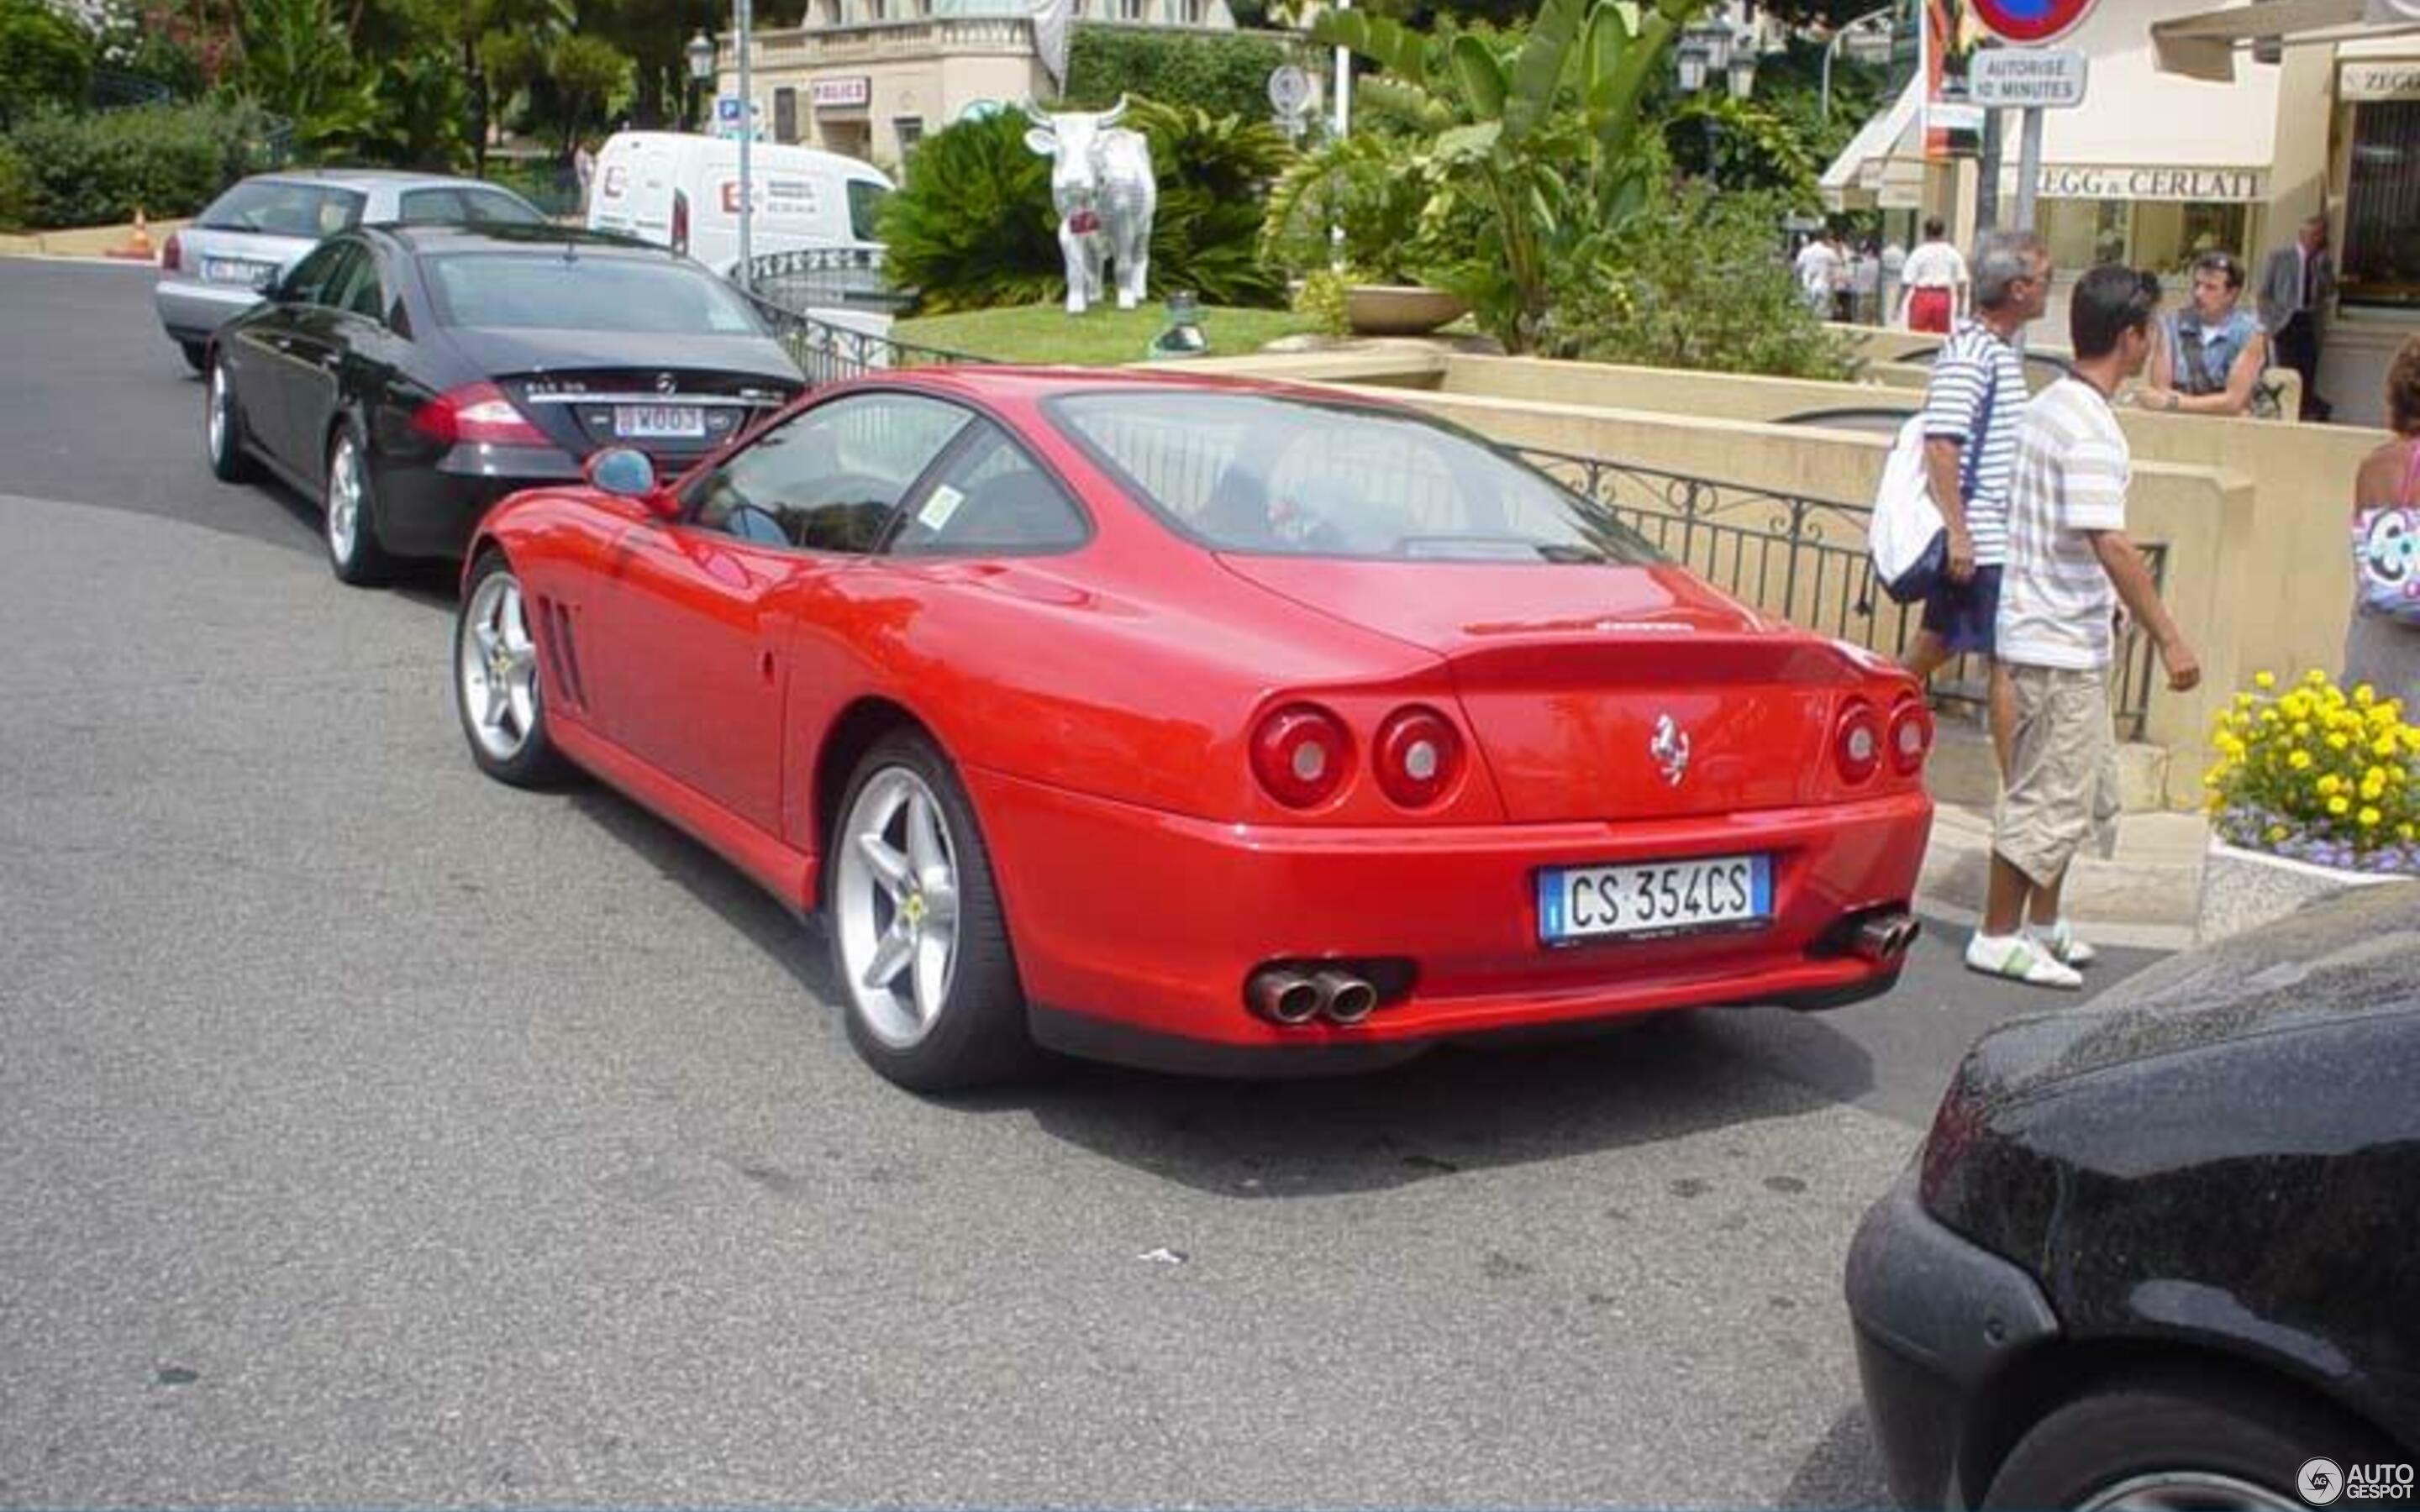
[1199,724]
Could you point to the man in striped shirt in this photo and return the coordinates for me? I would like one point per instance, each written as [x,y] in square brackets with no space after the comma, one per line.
[2069,566]
[1972,408]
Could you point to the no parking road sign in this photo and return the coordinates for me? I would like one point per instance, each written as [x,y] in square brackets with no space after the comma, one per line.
[2029,22]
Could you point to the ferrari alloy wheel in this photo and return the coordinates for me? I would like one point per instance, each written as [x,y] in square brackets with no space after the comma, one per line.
[353,548]
[496,684]
[223,428]
[918,939]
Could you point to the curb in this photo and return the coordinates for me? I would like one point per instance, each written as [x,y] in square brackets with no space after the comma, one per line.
[2151,884]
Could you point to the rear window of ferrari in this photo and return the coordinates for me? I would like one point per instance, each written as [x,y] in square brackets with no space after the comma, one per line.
[1283,477]
[563,290]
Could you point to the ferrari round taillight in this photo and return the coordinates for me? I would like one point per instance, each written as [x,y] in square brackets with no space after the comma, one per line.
[1418,755]
[1858,746]
[1302,754]
[1911,737]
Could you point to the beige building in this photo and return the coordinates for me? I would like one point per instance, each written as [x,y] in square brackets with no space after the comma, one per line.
[871,77]
[2209,124]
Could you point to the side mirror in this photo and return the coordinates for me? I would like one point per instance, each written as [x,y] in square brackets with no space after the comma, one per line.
[627,473]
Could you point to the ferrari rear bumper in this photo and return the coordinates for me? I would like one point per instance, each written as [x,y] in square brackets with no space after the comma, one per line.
[1137,926]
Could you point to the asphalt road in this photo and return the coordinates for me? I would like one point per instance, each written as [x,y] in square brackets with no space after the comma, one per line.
[370,1132]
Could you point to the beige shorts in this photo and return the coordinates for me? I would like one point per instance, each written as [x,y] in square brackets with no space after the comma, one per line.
[2062,781]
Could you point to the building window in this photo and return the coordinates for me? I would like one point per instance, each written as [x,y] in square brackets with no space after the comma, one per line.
[1191,11]
[2382,240]
[911,131]
[786,114]
[1133,9]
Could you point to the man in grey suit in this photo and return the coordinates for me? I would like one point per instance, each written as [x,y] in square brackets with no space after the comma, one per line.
[2295,288]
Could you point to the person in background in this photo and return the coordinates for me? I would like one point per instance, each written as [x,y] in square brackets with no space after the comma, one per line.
[1934,296]
[1865,283]
[583,164]
[2379,650]
[2070,565]
[1973,406]
[1814,268]
[2208,356]
[1894,259]
[2295,288]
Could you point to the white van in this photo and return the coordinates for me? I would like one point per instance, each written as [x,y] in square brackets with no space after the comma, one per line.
[682,191]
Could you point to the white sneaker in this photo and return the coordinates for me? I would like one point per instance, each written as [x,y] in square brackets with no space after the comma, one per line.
[2018,958]
[2065,946]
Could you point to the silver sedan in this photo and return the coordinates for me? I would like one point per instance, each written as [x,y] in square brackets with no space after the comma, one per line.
[223,263]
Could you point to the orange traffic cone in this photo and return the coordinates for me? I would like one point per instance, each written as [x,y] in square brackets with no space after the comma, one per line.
[138,241]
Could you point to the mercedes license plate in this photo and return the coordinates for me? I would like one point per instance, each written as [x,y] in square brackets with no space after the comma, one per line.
[660,421]
[1653,897]
[237,270]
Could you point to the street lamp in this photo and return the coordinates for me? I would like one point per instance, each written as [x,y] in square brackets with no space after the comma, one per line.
[701,68]
[1832,49]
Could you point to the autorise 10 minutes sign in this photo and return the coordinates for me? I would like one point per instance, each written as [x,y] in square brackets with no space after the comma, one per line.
[2029,22]
[2041,77]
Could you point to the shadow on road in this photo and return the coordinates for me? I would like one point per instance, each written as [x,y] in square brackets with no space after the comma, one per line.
[1463,1107]
[1842,1469]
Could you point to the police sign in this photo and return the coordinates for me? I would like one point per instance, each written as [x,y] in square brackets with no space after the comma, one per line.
[2036,77]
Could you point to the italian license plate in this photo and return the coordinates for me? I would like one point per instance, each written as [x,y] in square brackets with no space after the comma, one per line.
[660,421]
[1653,897]
[237,270]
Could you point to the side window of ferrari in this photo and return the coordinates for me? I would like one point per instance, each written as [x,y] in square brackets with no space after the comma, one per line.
[992,499]
[829,479]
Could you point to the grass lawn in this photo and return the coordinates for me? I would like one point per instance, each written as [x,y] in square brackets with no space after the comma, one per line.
[1047,333]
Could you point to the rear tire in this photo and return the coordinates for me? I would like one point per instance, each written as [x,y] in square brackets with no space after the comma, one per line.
[920,947]
[351,512]
[498,690]
[2176,1439]
[223,427]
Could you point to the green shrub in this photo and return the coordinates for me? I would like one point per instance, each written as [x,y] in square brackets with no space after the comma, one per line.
[1221,75]
[1696,279]
[1371,186]
[164,160]
[16,191]
[44,59]
[971,227]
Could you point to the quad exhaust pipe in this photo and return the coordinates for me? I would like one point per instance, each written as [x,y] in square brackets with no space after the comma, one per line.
[1884,938]
[1290,998]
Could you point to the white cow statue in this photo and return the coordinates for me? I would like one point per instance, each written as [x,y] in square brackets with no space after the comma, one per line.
[1103,188]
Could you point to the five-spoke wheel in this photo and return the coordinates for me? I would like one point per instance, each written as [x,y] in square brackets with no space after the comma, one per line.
[496,682]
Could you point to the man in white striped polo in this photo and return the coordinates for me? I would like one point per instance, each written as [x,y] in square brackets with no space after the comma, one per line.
[2069,566]
[1972,407]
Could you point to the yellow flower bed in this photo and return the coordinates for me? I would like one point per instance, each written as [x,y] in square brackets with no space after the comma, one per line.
[2319,774]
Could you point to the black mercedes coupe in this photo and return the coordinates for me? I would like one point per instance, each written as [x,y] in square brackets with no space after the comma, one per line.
[410,375]
[2158,1251]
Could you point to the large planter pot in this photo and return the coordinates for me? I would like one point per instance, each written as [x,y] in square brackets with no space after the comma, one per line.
[2243,889]
[1399,309]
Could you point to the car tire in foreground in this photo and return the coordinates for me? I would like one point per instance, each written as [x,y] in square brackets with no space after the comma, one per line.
[497,687]
[918,939]
[222,427]
[352,510]
[2203,1440]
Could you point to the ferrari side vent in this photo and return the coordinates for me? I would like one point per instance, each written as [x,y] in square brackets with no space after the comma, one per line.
[562,656]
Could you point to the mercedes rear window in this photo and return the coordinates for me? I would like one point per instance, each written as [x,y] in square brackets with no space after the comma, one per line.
[562,290]
[270,207]
[1281,476]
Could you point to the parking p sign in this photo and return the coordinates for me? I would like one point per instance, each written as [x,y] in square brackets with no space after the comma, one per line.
[2029,22]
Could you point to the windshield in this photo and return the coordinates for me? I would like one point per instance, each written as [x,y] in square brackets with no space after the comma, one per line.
[865,199]
[1258,473]
[278,209]
[564,292]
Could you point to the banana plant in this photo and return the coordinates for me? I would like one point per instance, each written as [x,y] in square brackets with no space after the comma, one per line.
[1544,137]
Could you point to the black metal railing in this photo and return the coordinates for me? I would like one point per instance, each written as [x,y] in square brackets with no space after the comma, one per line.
[1802,559]
[827,351]
[825,278]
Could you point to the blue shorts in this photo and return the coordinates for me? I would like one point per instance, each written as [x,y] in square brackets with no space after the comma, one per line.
[1966,615]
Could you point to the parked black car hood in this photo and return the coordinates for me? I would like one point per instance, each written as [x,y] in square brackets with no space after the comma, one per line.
[500,351]
[2357,954]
